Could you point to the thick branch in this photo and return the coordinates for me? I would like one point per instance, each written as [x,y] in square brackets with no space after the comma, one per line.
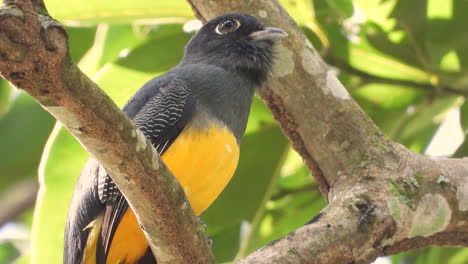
[373,218]
[34,57]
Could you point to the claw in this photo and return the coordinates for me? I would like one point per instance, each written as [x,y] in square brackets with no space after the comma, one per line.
[210,241]
[204,228]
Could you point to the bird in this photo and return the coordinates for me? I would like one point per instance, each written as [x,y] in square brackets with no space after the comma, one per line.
[195,116]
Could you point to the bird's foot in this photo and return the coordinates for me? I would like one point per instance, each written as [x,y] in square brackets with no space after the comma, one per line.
[204,227]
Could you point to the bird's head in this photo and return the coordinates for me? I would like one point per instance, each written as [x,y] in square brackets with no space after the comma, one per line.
[236,42]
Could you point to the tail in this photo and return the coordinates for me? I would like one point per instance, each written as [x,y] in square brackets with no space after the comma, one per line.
[85,208]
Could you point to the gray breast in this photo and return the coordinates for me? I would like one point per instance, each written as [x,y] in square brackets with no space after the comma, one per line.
[220,94]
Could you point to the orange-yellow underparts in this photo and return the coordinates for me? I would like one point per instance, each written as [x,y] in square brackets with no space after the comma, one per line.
[203,160]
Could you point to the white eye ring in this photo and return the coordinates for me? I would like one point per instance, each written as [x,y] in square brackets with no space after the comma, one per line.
[221,31]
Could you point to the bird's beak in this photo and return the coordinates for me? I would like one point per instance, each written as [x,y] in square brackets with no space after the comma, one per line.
[268,33]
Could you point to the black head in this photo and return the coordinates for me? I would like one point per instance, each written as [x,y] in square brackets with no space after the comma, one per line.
[236,42]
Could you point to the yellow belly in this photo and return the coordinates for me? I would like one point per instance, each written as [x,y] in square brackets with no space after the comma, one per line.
[203,161]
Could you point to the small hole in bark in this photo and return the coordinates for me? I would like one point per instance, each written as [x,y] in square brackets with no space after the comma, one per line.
[17,75]
[44,92]
[361,205]
[328,225]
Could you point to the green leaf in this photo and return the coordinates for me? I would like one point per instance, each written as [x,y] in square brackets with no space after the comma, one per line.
[398,45]
[60,166]
[344,8]
[387,104]
[259,117]
[436,255]
[80,40]
[411,17]
[118,12]
[226,243]
[388,96]
[23,259]
[456,38]
[366,57]
[23,133]
[249,189]
[286,215]
[5,93]
[464,116]
[416,129]
[294,176]
[379,12]
[8,252]
[109,43]
[459,256]
[462,150]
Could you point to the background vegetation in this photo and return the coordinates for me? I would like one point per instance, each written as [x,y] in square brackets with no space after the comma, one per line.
[403,61]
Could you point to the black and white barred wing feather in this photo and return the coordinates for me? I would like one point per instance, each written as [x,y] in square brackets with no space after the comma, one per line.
[160,119]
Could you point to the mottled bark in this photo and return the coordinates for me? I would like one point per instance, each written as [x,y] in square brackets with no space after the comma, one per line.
[34,56]
[383,198]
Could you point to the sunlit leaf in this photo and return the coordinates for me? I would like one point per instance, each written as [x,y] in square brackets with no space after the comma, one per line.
[379,12]
[388,96]
[371,60]
[418,126]
[460,256]
[23,133]
[118,12]
[436,255]
[344,8]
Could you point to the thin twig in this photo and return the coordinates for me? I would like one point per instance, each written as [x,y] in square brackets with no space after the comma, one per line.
[16,199]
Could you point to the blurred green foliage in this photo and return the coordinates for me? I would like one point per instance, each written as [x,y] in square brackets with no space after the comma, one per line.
[403,61]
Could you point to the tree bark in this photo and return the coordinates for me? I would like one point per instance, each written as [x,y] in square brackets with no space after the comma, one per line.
[383,198]
[34,56]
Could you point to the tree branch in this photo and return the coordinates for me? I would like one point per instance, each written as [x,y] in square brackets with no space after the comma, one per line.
[382,216]
[34,56]
[16,199]
[383,198]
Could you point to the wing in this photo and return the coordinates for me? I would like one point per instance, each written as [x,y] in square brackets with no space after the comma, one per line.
[161,119]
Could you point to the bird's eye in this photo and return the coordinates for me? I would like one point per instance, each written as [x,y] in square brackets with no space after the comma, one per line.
[227,26]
